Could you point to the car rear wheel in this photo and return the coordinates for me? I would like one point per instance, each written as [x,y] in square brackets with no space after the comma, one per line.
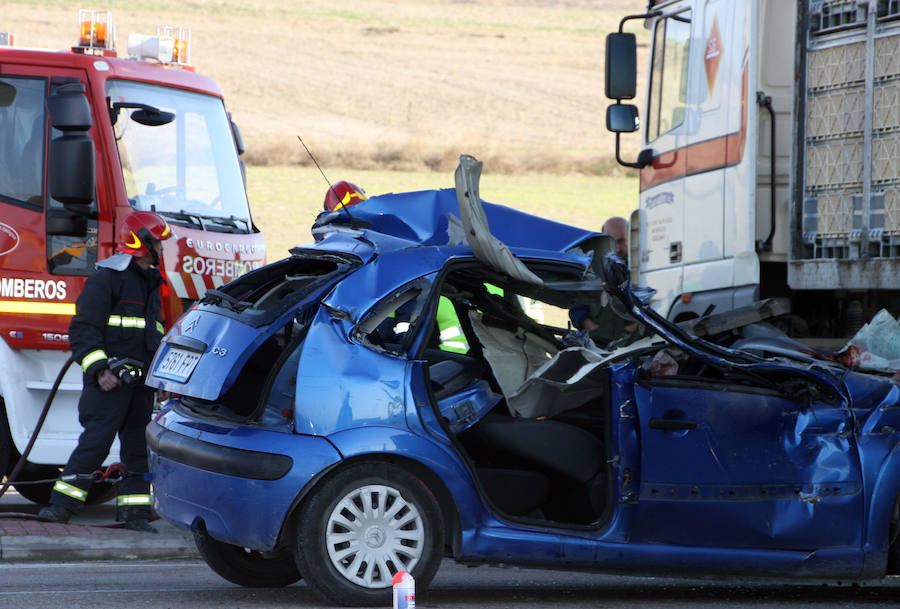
[361,526]
[245,567]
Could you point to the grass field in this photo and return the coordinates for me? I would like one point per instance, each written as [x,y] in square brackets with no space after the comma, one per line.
[286,200]
[389,93]
[389,84]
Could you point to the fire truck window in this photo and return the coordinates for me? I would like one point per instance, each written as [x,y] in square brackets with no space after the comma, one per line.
[669,74]
[22,140]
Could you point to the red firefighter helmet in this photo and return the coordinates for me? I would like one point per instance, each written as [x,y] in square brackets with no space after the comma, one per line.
[138,231]
[343,194]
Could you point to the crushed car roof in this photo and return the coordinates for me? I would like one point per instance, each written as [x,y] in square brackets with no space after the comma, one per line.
[432,218]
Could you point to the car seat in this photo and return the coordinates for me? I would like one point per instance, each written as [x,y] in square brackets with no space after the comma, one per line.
[573,459]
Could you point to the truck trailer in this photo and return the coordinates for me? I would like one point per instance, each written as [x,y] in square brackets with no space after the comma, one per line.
[769,163]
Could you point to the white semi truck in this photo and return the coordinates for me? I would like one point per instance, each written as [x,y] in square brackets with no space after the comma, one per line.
[771,156]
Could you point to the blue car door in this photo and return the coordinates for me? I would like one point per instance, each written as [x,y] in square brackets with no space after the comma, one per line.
[730,464]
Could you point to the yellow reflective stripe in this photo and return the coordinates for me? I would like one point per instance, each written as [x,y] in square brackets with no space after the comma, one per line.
[451,332]
[90,358]
[126,322]
[134,500]
[37,308]
[160,327]
[455,345]
[72,491]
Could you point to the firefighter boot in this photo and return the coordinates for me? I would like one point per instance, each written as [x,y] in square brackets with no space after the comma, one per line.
[54,513]
[141,525]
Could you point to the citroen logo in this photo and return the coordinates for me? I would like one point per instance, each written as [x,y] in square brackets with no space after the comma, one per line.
[190,327]
[375,537]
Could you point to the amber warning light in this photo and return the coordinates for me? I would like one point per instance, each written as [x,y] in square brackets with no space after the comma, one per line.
[182,38]
[97,31]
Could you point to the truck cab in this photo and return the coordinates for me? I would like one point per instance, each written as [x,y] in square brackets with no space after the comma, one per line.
[87,137]
[765,171]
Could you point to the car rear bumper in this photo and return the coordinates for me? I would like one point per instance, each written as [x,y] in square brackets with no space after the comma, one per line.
[212,477]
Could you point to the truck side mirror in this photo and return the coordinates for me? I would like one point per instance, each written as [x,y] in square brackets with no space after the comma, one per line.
[71,164]
[7,94]
[621,66]
[622,118]
[238,139]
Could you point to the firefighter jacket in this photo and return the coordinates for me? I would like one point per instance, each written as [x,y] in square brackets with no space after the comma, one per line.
[117,315]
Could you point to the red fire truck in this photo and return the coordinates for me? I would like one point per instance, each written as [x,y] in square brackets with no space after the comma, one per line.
[86,137]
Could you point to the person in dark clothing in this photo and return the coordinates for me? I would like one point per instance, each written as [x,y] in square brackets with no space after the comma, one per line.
[601,323]
[115,332]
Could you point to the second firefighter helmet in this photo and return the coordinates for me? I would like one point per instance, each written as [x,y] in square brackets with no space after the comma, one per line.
[138,232]
[343,194]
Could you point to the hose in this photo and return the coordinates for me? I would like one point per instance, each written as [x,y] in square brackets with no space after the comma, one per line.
[37,428]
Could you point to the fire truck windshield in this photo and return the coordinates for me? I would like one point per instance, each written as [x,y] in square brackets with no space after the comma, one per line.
[186,169]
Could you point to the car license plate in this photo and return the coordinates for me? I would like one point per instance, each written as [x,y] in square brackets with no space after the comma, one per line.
[178,364]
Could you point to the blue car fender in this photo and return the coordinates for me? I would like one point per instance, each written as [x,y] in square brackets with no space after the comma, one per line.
[443,464]
[885,494]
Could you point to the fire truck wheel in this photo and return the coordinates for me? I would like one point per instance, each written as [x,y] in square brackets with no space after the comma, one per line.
[36,493]
[40,493]
[6,444]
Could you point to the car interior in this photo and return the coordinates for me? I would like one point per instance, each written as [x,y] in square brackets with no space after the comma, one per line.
[537,443]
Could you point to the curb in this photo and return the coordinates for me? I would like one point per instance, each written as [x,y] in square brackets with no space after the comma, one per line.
[87,544]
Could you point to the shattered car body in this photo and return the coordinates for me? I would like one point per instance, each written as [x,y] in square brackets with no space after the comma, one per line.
[323,429]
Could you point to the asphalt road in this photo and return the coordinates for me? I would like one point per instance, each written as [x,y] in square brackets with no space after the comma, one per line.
[189,584]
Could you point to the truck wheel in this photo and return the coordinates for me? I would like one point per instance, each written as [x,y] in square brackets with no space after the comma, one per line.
[36,493]
[245,567]
[40,493]
[6,444]
[361,526]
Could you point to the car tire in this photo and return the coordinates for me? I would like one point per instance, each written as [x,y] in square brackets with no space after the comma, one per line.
[893,564]
[404,532]
[246,567]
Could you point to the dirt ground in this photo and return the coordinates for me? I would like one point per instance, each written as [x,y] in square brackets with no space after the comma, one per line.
[392,84]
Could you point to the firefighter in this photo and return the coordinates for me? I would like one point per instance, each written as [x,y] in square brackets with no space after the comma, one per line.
[343,194]
[115,332]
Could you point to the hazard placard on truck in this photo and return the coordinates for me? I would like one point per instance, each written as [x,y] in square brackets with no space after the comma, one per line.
[87,135]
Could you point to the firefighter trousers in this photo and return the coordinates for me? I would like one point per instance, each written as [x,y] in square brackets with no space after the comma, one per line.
[125,411]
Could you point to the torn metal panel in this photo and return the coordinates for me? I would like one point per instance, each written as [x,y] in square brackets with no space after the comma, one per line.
[486,247]
[563,383]
[737,318]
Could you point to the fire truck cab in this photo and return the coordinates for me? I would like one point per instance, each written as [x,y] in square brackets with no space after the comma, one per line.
[87,137]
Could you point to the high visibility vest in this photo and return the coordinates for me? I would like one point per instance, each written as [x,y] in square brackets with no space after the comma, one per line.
[452,337]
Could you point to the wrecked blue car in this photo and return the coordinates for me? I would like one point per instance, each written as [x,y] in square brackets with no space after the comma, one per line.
[406,389]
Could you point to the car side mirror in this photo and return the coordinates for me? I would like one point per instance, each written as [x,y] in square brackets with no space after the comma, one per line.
[622,118]
[621,66]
